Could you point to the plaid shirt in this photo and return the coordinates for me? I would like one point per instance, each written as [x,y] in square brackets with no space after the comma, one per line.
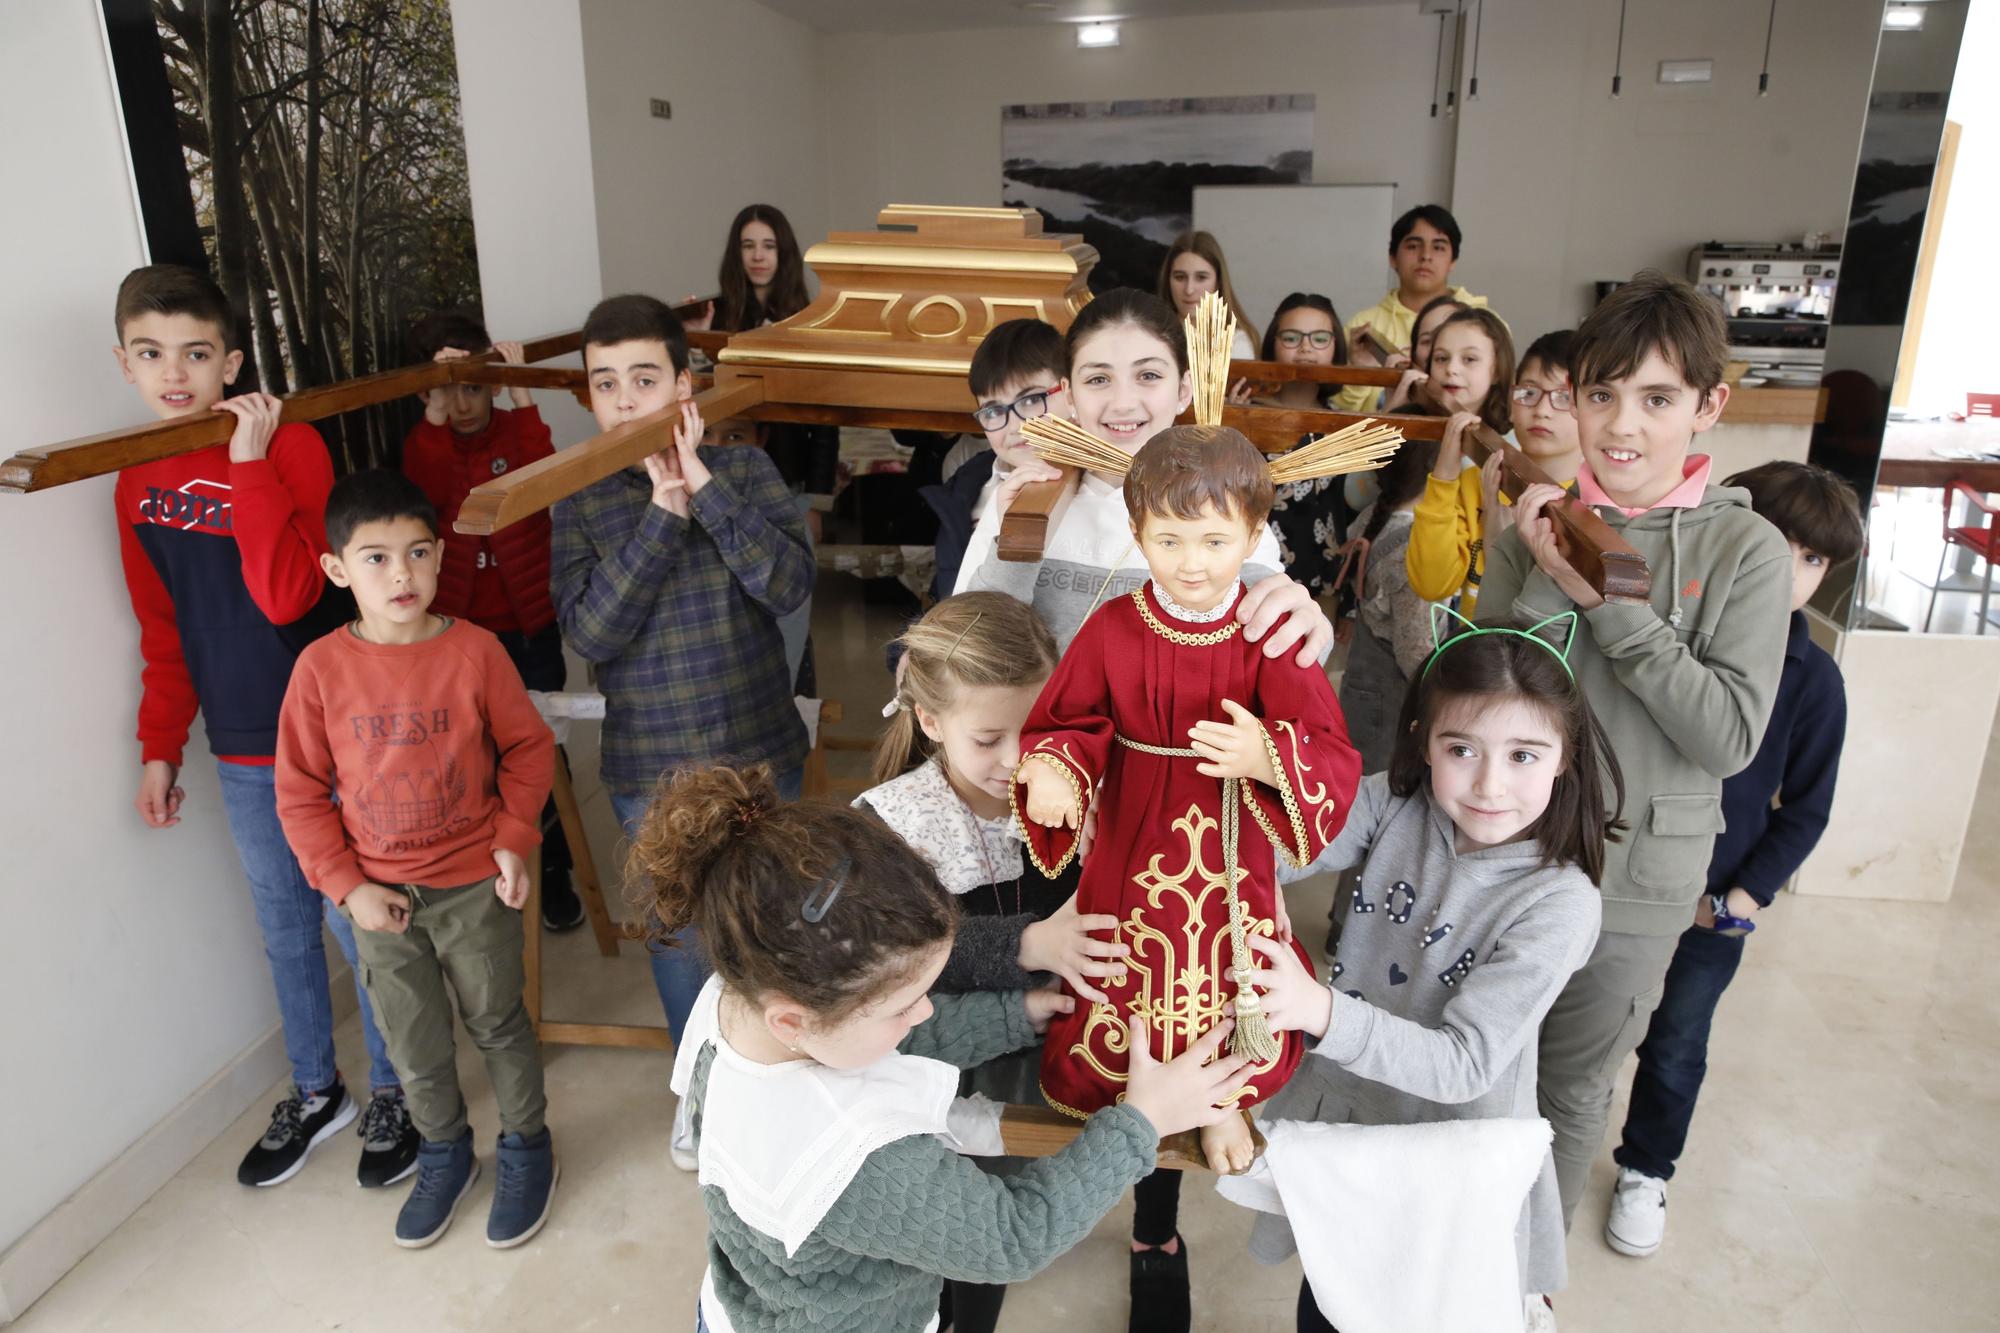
[680,615]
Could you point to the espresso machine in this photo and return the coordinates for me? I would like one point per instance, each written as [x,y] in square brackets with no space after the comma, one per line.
[1777,298]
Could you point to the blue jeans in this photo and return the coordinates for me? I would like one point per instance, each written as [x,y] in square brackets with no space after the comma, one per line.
[289,913]
[1674,1057]
[680,972]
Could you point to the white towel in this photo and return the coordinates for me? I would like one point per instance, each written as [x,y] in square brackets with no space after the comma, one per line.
[1403,1227]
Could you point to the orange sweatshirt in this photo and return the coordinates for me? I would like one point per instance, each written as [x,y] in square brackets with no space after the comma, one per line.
[434,751]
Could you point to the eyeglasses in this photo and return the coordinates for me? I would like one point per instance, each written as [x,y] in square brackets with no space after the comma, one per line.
[1527,395]
[1032,404]
[1291,338]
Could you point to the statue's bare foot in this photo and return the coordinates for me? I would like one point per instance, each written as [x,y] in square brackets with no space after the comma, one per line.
[1227,1145]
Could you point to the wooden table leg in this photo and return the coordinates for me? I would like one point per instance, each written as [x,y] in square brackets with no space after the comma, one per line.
[531,940]
[583,866]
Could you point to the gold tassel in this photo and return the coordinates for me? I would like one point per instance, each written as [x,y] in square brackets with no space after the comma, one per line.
[1252,1036]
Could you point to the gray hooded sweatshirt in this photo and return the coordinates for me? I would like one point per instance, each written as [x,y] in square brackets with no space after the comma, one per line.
[1447,964]
[1684,686]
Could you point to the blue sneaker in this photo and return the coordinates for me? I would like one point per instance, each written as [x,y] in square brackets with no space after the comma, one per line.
[525,1190]
[445,1175]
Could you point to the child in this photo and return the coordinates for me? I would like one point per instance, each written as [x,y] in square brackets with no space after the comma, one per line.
[1416,364]
[221,553]
[1139,695]
[1392,625]
[1684,685]
[1472,365]
[972,666]
[671,578]
[1128,379]
[1307,515]
[1483,843]
[1759,849]
[1193,267]
[412,769]
[499,583]
[1423,250]
[1017,375]
[824,1119]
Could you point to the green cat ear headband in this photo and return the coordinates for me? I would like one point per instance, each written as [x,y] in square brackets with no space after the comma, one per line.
[1532,634]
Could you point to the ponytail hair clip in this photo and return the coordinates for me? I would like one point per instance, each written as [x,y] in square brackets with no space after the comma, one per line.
[820,901]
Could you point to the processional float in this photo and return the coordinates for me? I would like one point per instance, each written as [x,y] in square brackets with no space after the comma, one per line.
[887,343]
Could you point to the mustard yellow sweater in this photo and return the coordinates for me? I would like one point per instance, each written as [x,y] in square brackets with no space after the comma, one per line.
[1446,556]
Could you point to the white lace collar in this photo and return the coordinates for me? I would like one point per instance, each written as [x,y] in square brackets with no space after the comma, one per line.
[783,1142]
[1208,617]
[926,813]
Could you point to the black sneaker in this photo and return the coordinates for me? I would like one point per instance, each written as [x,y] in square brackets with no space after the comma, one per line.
[1160,1302]
[299,1124]
[388,1140]
[561,909]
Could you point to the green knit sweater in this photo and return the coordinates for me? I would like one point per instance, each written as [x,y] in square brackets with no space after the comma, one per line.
[918,1212]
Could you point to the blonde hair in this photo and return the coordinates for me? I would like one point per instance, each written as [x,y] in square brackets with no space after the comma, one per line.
[965,642]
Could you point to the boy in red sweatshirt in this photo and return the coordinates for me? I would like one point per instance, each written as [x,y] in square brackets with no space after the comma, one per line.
[221,552]
[499,583]
[412,768]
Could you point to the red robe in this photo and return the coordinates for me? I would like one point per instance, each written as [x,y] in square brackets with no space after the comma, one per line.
[1158,859]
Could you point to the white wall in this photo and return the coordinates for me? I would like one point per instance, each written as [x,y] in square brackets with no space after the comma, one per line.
[915,119]
[130,968]
[534,199]
[749,124]
[1558,185]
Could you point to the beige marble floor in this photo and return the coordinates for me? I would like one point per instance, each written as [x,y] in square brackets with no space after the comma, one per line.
[1844,1172]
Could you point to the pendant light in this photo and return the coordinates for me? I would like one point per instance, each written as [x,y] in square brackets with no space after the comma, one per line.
[1457,49]
[1764,75]
[1618,61]
[1437,70]
[1478,22]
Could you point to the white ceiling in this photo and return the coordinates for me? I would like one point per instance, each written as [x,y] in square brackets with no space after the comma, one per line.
[955,15]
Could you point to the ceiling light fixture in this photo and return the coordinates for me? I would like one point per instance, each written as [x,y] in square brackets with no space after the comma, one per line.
[1902,18]
[1764,75]
[1090,35]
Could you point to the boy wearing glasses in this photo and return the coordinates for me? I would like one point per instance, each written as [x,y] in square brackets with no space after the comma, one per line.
[1017,375]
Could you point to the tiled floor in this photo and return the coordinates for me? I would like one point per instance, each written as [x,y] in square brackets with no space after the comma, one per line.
[1844,1172]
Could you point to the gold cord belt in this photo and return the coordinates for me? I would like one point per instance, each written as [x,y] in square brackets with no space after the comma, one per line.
[1253,1036]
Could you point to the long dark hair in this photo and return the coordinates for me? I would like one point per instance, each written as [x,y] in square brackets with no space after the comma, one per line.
[738,308]
[1399,481]
[1305,301]
[1497,408]
[1493,667]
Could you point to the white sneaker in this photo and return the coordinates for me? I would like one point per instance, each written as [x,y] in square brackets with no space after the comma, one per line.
[1638,1221]
[681,1146]
[1537,1315]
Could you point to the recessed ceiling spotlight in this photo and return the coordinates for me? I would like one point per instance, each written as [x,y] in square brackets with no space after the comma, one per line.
[1096,34]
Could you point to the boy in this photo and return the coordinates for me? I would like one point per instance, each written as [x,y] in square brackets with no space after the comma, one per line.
[221,554]
[671,577]
[1018,373]
[1423,249]
[1759,849]
[412,768]
[500,583]
[1683,685]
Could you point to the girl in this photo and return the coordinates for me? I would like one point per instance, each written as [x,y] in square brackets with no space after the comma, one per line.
[971,669]
[762,279]
[834,1193]
[1435,312]
[1309,515]
[1472,366]
[1128,380]
[1195,265]
[1484,844]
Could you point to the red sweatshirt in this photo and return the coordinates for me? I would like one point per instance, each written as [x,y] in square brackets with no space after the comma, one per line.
[499,582]
[222,565]
[434,750]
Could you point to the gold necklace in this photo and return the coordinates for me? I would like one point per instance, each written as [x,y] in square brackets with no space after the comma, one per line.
[1179,636]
